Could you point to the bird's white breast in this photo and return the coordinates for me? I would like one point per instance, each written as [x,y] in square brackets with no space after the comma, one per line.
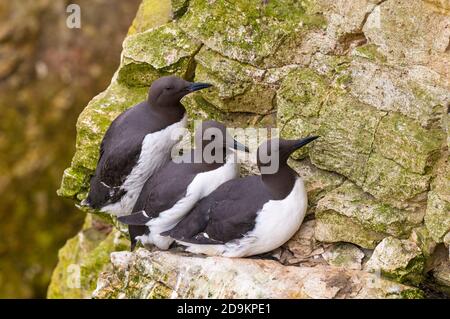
[275,224]
[201,186]
[155,151]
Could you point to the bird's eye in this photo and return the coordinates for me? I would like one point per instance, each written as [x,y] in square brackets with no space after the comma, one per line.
[168,88]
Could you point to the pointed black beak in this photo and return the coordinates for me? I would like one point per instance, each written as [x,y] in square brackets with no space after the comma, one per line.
[302,142]
[198,86]
[240,147]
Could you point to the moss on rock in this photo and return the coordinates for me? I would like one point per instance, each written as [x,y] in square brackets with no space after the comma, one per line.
[160,51]
[399,260]
[390,182]
[347,130]
[83,258]
[145,274]
[236,87]
[247,31]
[437,217]
[151,13]
[348,207]
[398,137]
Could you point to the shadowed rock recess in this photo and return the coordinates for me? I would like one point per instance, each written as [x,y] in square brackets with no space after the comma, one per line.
[369,76]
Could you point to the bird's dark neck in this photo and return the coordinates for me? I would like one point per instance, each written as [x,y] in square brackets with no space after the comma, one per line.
[167,114]
[280,184]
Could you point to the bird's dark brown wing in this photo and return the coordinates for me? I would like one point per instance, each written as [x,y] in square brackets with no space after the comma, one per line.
[226,214]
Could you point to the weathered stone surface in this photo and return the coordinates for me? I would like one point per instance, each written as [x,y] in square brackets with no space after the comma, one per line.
[442,276]
[83,258]
[237,87]
[160,51]
[414,91]
[305,249]
[332,227]
[437,217]
[398,137]
[347,130]
[151,13]
[349,205]
[422,238]
[400,260]
[145,274]
[344,255]
[422,39]
[317,182]
[299,101]
[390,182]
[247,31]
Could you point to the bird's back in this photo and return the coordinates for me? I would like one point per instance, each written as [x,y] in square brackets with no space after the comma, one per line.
[228,211]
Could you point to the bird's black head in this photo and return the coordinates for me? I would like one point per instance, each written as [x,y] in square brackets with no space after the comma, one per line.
[169,90]
[212,137]
[275,152]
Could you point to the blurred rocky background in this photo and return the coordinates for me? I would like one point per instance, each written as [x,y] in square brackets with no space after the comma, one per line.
[48,73]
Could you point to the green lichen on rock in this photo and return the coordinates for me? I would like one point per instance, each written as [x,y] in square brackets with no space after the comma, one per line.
[437,217]
[236,87]
[299,101]
[349,205]
[151,13]
[145,274]
[414,91]
[399,260]
[422,238]
[247,31]
[331,227]
[398,137]
[317,182]
[390,182]
[370,51]
[72,182]
[423,35]
[412,294]
[344,255]
[83,258]
[347,130]
[179,7]
[160,51]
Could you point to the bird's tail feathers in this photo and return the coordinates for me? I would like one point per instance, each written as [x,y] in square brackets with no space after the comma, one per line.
[135,219]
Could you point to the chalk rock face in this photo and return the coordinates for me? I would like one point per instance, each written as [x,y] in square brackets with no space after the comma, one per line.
[145,274]
[369,76]
[401,260]
[83,258]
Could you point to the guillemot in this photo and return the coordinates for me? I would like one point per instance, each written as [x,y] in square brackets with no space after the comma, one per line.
[136,144]
[173,190]
[251,215]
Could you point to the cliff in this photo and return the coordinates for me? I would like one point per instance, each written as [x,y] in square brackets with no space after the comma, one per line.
[369,76]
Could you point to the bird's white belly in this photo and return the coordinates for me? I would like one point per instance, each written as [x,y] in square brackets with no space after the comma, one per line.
[201,186]
[276,223]
[156,150]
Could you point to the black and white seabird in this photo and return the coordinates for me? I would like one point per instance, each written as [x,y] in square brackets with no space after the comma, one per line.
[251,215]
[136,144]
[173,190]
